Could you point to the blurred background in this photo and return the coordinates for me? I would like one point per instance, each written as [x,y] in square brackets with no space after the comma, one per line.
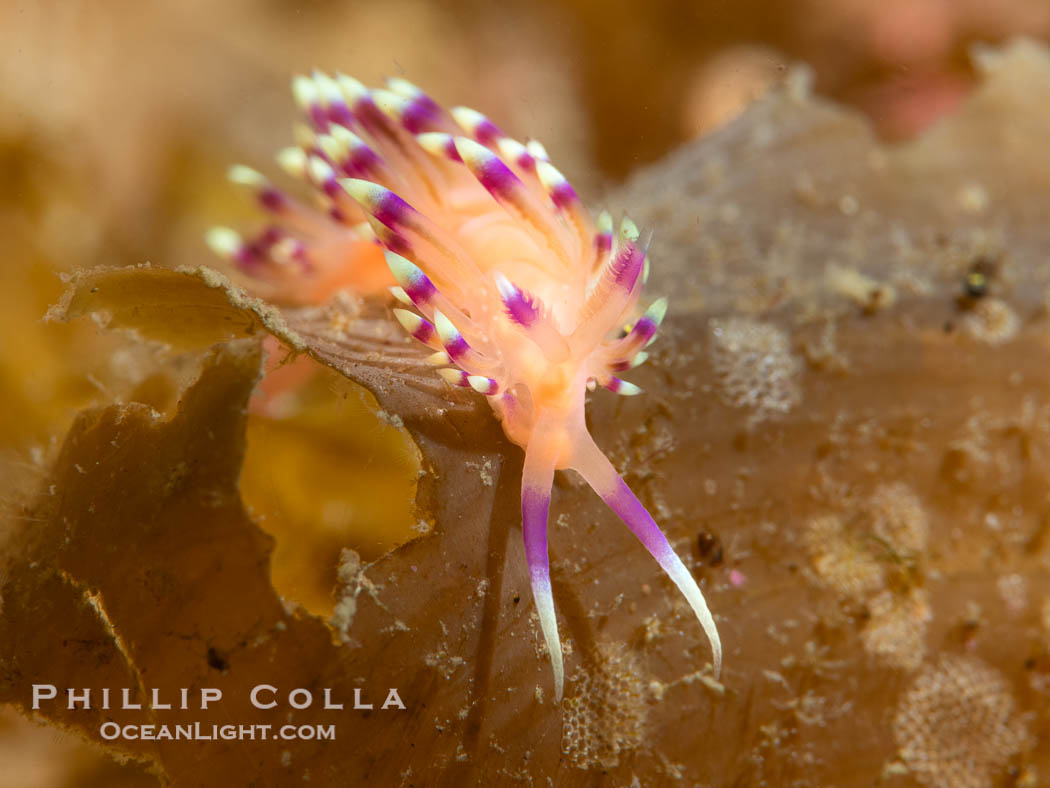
[118,120]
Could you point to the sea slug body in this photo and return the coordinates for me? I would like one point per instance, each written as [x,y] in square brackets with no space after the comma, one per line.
[500,269]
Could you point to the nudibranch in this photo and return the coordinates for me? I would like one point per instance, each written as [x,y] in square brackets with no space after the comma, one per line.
[500,269]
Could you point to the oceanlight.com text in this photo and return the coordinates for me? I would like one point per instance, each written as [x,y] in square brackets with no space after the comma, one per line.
[198,732]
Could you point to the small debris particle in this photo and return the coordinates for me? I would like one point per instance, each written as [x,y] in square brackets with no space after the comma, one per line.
[729,212]
[975,283]
[653,628]
[217,661]
[713,684]
[1013,592]
[353,580]
[443,662]
[675,771]
[710,547]
[993,321]
[822,351]
[894,769]
[865,292]
[390,418]
[972,198]
[776,678]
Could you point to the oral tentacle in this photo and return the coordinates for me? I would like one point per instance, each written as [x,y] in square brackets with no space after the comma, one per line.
[599,473]
[537,478]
